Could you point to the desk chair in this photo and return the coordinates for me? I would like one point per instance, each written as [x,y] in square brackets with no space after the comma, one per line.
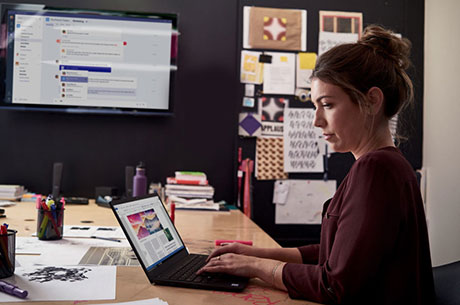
[447,284]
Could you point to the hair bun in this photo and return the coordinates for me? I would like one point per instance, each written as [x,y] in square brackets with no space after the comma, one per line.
[387,44]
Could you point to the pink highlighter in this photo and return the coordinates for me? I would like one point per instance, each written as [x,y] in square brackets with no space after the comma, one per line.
[223,242]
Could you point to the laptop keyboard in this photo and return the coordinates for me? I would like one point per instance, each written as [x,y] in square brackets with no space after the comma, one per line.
[187,270]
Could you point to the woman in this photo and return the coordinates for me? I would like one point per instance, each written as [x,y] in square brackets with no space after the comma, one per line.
[374,242]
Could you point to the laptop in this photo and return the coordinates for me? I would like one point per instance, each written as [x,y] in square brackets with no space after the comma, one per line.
[160,249]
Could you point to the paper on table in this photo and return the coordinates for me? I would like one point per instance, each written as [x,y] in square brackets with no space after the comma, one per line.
[88,231]
[67,251]
[64,283]
[155,301]
[304,201]
[279,75]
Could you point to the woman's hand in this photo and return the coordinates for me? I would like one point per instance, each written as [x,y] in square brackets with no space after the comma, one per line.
[268,270]
[231,263]
[236,248]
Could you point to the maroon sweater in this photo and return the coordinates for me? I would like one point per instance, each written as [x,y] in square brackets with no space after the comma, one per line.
[374,241]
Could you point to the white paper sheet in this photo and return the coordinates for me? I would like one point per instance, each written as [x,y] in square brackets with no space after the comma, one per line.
[66,251]
[305,65]
[88,231]
[328,40]
[89,283]
[303,145]
[155,301]
[304,201]
[279,75]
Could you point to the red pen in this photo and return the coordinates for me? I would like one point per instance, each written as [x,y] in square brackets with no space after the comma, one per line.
[223,242]
[173,210]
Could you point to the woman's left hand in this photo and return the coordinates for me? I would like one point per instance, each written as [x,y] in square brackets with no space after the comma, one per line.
[235,264]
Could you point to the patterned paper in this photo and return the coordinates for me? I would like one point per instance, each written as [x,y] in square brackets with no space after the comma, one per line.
[269,159]
[250,125]
[271,110]
[277,29]
[341,22]
[303,143]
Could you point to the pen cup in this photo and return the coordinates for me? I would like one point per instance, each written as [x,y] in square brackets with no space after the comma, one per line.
[50,224]
[7,253]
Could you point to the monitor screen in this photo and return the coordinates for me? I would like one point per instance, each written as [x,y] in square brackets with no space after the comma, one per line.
[82,61]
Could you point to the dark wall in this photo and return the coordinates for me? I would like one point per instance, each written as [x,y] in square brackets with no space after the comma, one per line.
[96,148]
[405,17]
[202,134]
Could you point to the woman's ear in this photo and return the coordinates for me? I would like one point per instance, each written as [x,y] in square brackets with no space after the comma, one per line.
[376,99]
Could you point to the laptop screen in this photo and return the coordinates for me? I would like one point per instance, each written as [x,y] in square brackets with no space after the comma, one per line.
[150,229]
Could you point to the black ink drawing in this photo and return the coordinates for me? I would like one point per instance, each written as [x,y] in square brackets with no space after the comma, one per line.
[47,274]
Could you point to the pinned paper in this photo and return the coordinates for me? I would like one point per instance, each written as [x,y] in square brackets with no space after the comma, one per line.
[279,76]
[271,110]
[249,125]
[249,90]
[273,28]
[249,102]
[269,159]
[341,22]
[303,143]
[329,40]
[305,64]
[251,68]
[281,191]
[304,202]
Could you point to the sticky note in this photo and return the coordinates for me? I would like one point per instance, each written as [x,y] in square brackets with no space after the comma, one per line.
[307,61]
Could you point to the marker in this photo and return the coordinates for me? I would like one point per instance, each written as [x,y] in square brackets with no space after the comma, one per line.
[173,212]
[13,290]
[223,242]
[107,238]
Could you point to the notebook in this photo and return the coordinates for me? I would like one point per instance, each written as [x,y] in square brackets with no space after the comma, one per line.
[160,249]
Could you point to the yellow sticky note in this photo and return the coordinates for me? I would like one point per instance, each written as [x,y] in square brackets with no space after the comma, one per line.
[283,59]
[307,61]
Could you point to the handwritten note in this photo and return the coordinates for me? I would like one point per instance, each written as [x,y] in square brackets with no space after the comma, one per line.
[328,40]
[303,145]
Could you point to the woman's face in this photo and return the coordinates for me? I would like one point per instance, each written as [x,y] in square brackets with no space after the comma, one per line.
[342,122]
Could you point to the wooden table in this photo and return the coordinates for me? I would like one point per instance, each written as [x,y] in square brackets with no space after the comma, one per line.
[198,229]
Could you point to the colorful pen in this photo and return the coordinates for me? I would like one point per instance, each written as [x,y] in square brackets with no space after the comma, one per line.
[13,290]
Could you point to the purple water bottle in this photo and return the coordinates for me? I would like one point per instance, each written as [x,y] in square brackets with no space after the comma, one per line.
[140,181]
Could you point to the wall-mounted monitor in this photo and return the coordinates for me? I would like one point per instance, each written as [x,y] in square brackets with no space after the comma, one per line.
[87,61]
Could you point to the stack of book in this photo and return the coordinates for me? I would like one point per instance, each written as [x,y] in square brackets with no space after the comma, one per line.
[190,190]
[11,192]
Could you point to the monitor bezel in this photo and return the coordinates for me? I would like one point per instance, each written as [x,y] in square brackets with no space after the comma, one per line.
[39,8]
